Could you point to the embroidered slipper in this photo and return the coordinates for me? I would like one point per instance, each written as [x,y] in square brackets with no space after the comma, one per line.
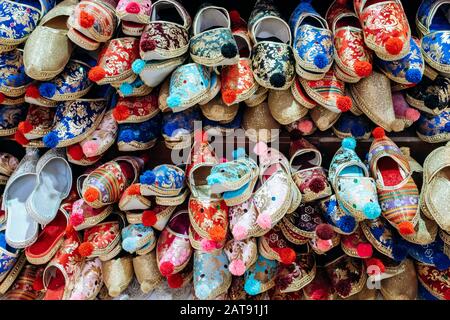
[323,118]
[203,244]
[341,221]
[403,286]
[33,96]
[385,26]
[167,35]
[430,96]
[132,199]
[434,128]
[328,92]
[54,181]
[353,58]
[178,127]
[89,283]
[284,107]
[212,43]
[163,180]
[379,109]
[243,220]
[300,95]
[266,129]
[397,192]
[134,11]
[241,254]
[356,192]
[313,44]
[9,257]
[48,241]
[146,271]
[105,184]
[274,246]
[320,288]
[39,122]
[211,275]
[139,136]
[117,274]
[14,81]
[82,216]
[136,236]
[433,25]
[92,23]
[62,271]
[307,172]
[293,277]
[349,125]
[49,39]
[356,245]
[173,250]
[23,287]
[261,276]
[432,282]
[273,61]
[155,216]
[431,254]
[14,30]
[21,229]
[10,117]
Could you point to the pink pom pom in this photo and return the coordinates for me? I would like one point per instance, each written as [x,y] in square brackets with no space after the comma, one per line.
[324,245]
[264,221]
[305,126]
[90,148]
[208,245]
[223,160]
[240,232]
[237,267]
[412,114]
[76,219]
[260,148]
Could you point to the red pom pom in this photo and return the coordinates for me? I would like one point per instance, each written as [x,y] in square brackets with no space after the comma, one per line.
[166,268]
[2,97]
[344,103]
[38,284]
[394,45]
[85,249]
[134,189]
[324,231]
[319,294]
[374,262]
[75,151]
[20,138]
[406,228]
[25,126]
[217,233]
[149,218]
[364,250]
[96,74]
[305,126]
[120,112]
[363,68]
[316,185]
[412,114]
[86,20]
[287,255]
[32,92]
[175,281]
[132,7]
[235,17]
[148,45]
[91,194]
[342,2]
[228,96]
[378,133]
[447,294]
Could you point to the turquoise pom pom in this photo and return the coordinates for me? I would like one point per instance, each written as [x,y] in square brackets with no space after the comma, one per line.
[372,210]
[173,101]
[349,143]
[138,65]
[252,287]
[126,89]
[129,244]
[238,153]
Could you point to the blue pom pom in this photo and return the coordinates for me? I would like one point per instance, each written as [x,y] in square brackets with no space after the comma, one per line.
[148,177]
[441,261]
[238,153]
[169,128]
[447,127]
[138,65]
[357,130]
[47,89]
[126,89]
[349,143]
[372,210]
[413,75]
[51,139]
[173,101]
[126,135]
[320,61]
[252,286]
[129,244]
[346,223]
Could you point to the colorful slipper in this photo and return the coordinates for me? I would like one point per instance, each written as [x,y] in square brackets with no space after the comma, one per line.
[349,125]
[431,254]
[261,276]
[155,216]
[39,122]
[178,127]
[136,236]
[33,96]
[212,44]
[163,180]
[274,246]
[14,81]
[10,117]
[243,220]
[341,221]
[203,244]
[293,277]
[23,288]
[241,254]
[134,11]
[356,245]
[434,128]
[89,282]
[430,96]
[8,257]
[139,136]
[82,216]
[433,284]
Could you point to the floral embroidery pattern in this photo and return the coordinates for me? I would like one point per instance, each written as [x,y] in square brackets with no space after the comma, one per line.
[90,280]
[190,81]
[236,80]
[264,270]
[311,41]
[17,21]
[118,55]
[438,282]
[12,72]
[208,213]
[165,36]
[102,235]
[173,248]
[41,118]
[73,79]
[208,44]
[430,125]
[210,274]
[243,215]
[10,116]
[168,178]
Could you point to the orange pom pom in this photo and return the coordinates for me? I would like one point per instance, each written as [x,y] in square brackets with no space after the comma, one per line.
[96,74]
[393,45]
[2,97]
[287,255]
[32,92]
[134,189]
[217,233]
[175,281]
[120,112]
[85,249]
[406,228]
[166,268]
[149,218]
[363,68]
[20,138]
[344,103]
[91,194]
[75,151]
[86,20]
[319,294]
[378,133]
[25,126]
[228,96]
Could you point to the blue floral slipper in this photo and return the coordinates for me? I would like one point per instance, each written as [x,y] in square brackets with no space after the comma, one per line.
[261,276]
[434,26]
[349,125]
[13,80]
[431,254]
[341,221]
[212,43]
[8,257]
[313,41]
[356,192]
[178,127]
[434,128]
[136,236]
[163,180]
[139,136]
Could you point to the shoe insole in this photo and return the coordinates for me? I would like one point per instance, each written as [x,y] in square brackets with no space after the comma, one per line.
[180,224]
[348,22]
[439,193]
[20,227]
[305,160]
[210,19]
[59,23]
[166,12]
[49,234]
[389,171]
[441,20]
[55,288]
[272,29]
[352,171]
